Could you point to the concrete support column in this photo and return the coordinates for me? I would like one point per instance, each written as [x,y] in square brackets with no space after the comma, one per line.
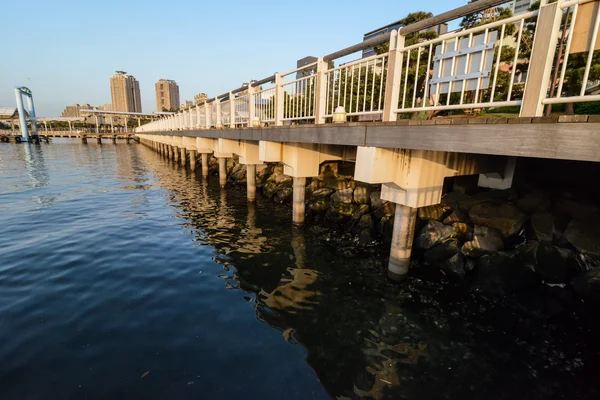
[222,172]
[193,160]
[183,155]
[168,151]
[251,181]
[299,206]
[176,154]
[402,240]
[204,165]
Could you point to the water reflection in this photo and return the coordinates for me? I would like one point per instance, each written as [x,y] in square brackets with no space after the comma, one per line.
[364,337]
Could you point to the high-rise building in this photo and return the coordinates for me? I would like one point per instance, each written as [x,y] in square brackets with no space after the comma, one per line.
[521,6]
[125,93]
[167,95]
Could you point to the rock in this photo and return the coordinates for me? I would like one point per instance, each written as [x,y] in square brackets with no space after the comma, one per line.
[340,212]
[502,273]
[314,185]
[545,260]
[534,201]
[386,210]
[485,241]
[356,216]
[278,176]
[442,251]
[433,233]
[576,209]
[452,199]
[436,212]
[587,285]
[364,229]
[456,216]
[343,196]
[455,265]
[262,174]
[385,228]
[322,193]
[505,217]
[584,235]
[462,231]
[542,227]
[270,188]
[319,205]
[483,197]
[376,201]
[284,195]
[339,183]
[328,170]
[362,193]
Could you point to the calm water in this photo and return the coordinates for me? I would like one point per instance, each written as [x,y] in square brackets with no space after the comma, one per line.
[122,276]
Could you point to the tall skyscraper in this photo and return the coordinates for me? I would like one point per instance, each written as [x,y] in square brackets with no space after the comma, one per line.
[167,95]
[125,93]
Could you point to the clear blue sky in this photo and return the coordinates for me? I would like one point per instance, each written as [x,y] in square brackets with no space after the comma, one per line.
[66,51]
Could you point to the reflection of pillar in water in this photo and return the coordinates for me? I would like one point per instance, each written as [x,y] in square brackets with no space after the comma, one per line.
[251,181]
[299,246]
[204,165]
[222,172]
[251,217]
[176,154]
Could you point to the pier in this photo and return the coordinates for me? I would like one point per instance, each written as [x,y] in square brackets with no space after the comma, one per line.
[305,121]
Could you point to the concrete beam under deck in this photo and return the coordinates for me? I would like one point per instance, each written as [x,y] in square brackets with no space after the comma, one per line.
[567,141]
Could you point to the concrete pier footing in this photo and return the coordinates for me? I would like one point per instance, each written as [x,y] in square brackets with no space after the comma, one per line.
[251,181]
[299,207]
[182,156]
[192,159]
[402,240]
[222,172]
[204,165]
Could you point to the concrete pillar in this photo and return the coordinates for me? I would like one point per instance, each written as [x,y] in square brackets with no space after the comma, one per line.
[402,240]
[222,171]
[193,160]
[176,154]
[83,139]
[299,206]
[182,156]
[204,165]
[99,139]
[114,139]
[251,181]
[168,151]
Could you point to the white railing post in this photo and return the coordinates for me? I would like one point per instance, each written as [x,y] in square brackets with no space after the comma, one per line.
[231,110]
[191,118]
[321,91]
[198,116]
[251,105]
[394,73]
[279,99]
[207,115]
[218,122]
[542,58]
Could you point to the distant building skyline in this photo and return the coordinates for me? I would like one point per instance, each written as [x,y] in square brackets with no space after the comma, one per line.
[520,6]
[125,93]
[167,95]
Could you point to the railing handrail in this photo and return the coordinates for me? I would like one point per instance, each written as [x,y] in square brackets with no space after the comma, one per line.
[418,26]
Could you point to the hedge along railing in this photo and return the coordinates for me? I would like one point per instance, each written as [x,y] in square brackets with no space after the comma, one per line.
[509,62]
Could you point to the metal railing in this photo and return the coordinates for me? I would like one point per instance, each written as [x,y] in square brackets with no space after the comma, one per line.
[540,57]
